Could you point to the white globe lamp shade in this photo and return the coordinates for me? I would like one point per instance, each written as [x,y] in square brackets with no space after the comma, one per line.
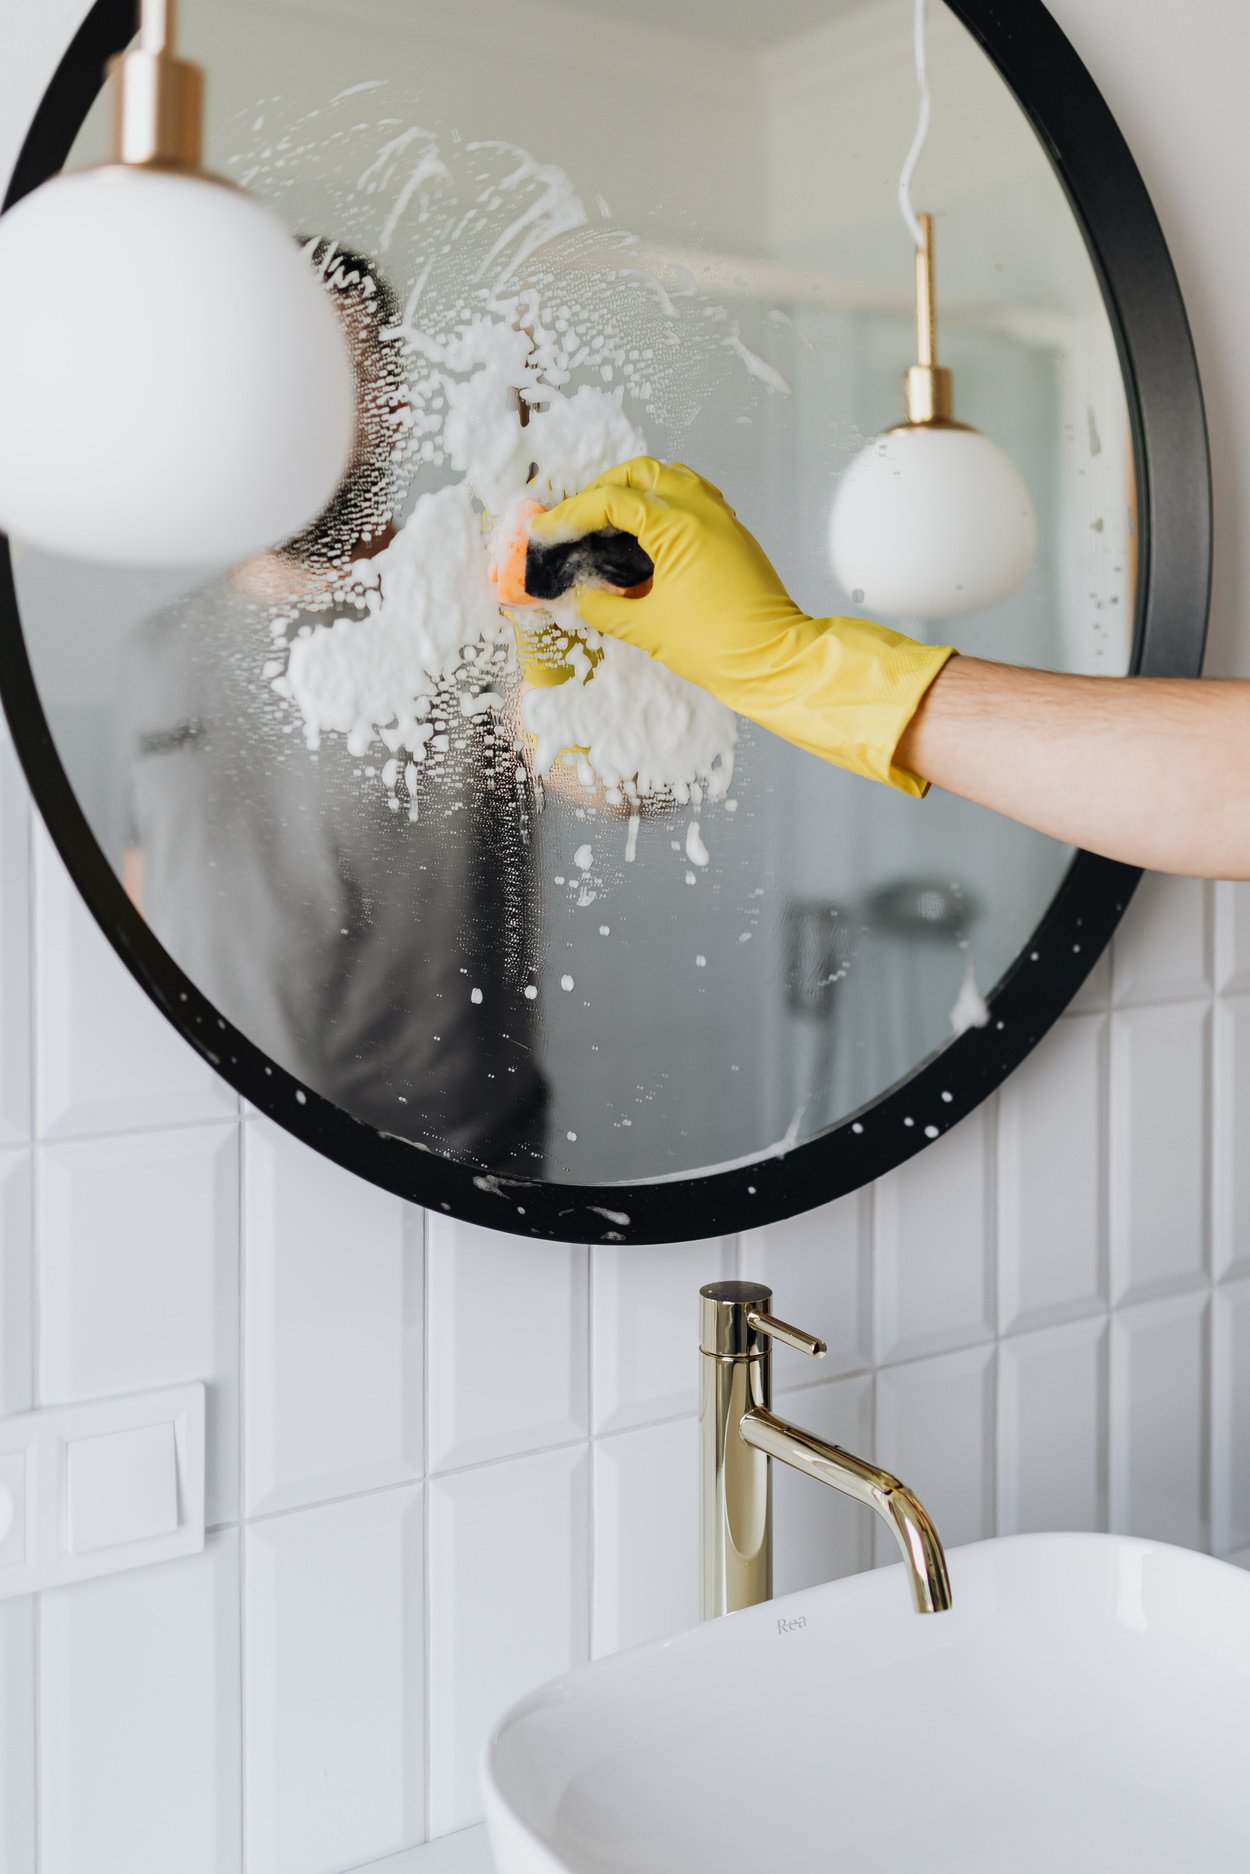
[931,522]
[175,386]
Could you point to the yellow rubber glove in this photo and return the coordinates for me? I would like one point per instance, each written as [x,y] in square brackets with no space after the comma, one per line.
[842,688]
[543,648]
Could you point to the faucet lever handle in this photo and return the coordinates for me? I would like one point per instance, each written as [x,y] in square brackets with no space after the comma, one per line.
[787,1335]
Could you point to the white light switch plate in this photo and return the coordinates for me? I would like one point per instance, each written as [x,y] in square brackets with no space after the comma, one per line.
[122,1487]
[93,1489]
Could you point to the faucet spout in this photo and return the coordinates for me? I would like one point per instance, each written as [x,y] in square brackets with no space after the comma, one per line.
[740,1434]
[893,1502]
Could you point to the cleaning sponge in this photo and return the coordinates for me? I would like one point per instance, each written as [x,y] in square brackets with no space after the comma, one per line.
[534,572]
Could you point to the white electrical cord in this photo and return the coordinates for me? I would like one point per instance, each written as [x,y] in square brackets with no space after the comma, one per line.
[922,130]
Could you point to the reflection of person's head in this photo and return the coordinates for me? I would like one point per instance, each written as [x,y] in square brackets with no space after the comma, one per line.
[364,503]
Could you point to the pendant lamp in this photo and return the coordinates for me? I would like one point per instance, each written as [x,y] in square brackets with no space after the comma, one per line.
[932,519]
[175,386]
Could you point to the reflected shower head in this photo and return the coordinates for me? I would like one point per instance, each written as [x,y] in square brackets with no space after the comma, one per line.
[920,907]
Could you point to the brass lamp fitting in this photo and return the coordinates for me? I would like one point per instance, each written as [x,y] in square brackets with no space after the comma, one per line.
[158,98]
[927,386]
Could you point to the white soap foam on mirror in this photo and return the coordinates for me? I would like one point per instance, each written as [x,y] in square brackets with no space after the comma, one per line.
[515,298]
[970,1008]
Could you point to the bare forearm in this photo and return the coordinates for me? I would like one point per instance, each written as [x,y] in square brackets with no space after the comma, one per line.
[1147,770]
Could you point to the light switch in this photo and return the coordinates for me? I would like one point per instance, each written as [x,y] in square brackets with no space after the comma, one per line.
[12,1509]
[107,1484]
[122,1487]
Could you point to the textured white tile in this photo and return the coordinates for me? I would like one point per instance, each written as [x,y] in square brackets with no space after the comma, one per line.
[15,972]
[819,1267]
[139,1277]
[1230,1390]
[332,1303]
[1162,948]
[509,1588]
[1232,937]
[935,1430]
[507,1343]
[139,1718]
[334,1684]
[646,1328]
[16,1283]
[1159,1428]
[1158,1188]
[17,1736]
[646,1548]
[108,1060]
[1051,1184]
[1230,1139]
[1052,1429]
[817,1534]
[933,1272]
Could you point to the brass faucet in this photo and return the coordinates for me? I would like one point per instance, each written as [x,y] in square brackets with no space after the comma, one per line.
[740,1434]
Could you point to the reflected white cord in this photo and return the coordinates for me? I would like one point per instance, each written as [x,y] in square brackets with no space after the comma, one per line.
[922,130]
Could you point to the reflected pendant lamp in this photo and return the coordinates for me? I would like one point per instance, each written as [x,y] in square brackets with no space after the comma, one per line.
[932,519]
[175,386]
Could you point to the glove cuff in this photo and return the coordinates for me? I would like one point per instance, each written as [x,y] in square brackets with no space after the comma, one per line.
[847,693]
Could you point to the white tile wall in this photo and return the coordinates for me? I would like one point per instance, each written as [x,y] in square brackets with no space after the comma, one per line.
[332,1329]
[1160,1072]
[334,1675]
[139,1720]
[1163,951]
[16,1282]
[509,1581]
[1052,1226]
[1231,1422]
[1230,1131]
[507,1344]
[1232,938]
[646,1487]
[934,1273]
[1052,1429]
[1160,1424]
[17,1735]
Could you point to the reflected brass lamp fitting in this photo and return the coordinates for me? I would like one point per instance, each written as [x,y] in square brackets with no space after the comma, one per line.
[158,98]
[928,386]
[740,1435]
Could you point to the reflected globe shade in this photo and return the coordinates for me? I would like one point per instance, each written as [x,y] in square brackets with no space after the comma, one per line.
[175,387]
[931,522]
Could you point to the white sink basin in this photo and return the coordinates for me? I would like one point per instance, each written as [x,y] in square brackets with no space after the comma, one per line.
[1083,1709]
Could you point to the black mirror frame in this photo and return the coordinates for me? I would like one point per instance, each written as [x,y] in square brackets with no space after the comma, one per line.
[1143,299]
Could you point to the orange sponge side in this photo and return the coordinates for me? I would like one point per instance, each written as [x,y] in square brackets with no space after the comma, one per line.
[506,571]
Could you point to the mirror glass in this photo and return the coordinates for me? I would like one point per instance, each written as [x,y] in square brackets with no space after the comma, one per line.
[339,804]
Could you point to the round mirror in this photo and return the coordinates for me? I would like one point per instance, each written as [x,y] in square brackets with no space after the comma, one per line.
[597,959]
